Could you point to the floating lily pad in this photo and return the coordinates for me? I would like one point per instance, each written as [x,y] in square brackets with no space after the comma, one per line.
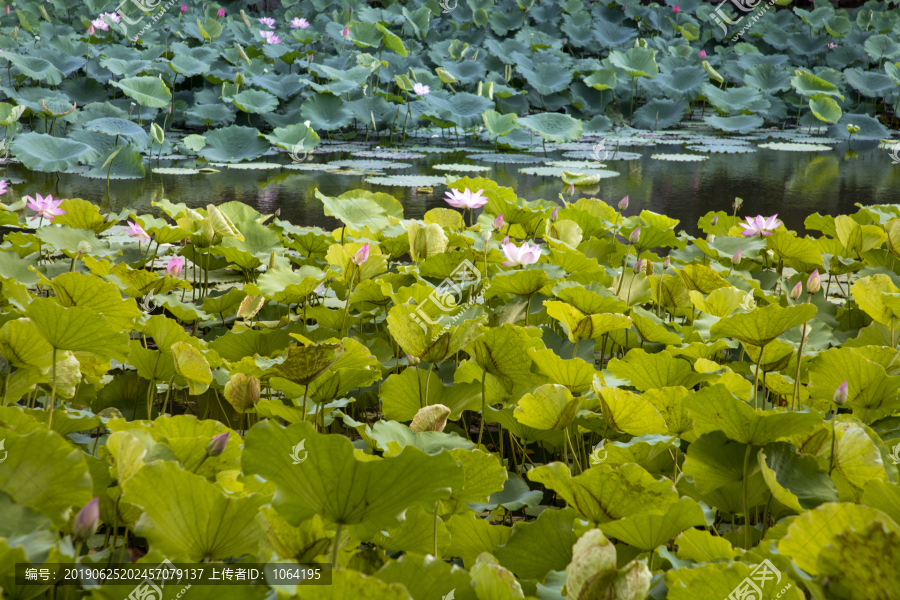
[393,155]
[175,171]
[407,181]
[722,149]
[461,168]
[368,165]
[680,157]
[794,147]
[254,166]
[558,172]
[508,158]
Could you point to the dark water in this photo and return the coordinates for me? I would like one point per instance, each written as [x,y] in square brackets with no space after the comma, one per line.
[791,184]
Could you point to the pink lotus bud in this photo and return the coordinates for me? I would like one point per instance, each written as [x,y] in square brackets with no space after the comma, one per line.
[554,215]
[639,266]
[7,9]
[346,32]
[216,446]
[174,266]
[505,241]
[412,360]
[736,258]
[623,203]
[184,8]
[795,293]
[840,394]
[675,9]
[703,54]
[498,222]
[362,255]
[571,189]
[714,221]
[221,12]
[87,520]
[813,284]
[667,262]
[635,236]
[90,29]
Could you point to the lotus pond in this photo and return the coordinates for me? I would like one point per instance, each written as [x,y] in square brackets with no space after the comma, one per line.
[453,300]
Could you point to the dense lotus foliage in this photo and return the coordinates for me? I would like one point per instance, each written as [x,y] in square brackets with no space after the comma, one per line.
[565,401]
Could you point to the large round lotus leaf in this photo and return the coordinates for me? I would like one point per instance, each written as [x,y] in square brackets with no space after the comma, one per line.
[146,91]
[407,181]
[212,114]
[869,83]
[637,62]
[547,78]
[604,79]
[233,144]
[325,111]
[36,68]
[117,127]
[826,109]
[126,164]
[466,109]
[187,65]
[767,78]
[792,147]
[659,114]
[735,124]
[869,128]
[553,127]
[255,101]
[43,152]
[678,157]
[291,136]
[882,46]
[809,85]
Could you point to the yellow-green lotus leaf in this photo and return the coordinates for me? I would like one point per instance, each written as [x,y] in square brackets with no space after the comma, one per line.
[702,279]
[581,327]
[574,373]
[775,356]
[426,240]
[653,371]
[483,475]
[470,536]
[401,395]
[304,364]
[629,413]
[503,352]
[702,546]
[425,340]
[416,533]
[525,282]
[430,418]
[301,544]
[796,480]
[651,328]
[549,407]
[543,545]
[858,460]
[874,546]
[876,295]
[763,324]
[720,302]
[22,344]
[800,254]
[493,582]
[647,532]
[716,581]
[871,392]
[78,328]
[858,238]
[669,402]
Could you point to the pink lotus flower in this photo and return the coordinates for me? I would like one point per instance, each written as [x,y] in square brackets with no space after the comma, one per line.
[623,203]
[840,394]
[266,34]
[174,266]
[465,199]
[273,40]
[7,9]
[100,24]
[519,256]
[675,9]
[346,32]
[813,284]
[421,90]
[221,12]
[44,207]
[703,54]
[832,46]
[135,230]
[498,222]
[268,22]
[361,256]
[299,23]
[184,8]
[4,185]
[91,30]
[760,226]
[114,17]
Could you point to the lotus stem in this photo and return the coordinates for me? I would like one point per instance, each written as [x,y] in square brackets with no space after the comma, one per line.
[833,440]
[483,406]
[797,377]
[746,501]
[756,381]
[574,454]
[53,391]
[434,536]
[305,395]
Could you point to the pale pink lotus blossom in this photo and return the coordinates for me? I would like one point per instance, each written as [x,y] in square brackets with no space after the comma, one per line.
[273,40]
[361,256]
[760,226]
[174,266]
[266,34]
[268,22]
[91,30]
[421,90]
[114,17]
[832,46]
[465,199]
[498,222]
[135,230]
[4,186]
[100,24]
[46,208]
[519,256]
[299,23]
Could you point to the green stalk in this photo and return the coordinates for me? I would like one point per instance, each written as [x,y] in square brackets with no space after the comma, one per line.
[434,535]
[483,401]
[756,381]
[53,392]
[833,440]
[746,501]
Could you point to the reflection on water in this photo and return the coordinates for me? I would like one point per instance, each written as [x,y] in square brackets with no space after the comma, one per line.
[791,184]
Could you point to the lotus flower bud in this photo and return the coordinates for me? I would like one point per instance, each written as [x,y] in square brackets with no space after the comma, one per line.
[412,360]
[666,263]
[87,520]
[239,79]
[813,284]
[485,236]
[675,9]
[7,12]
[174,266]
[184,8]
[554,215]
[498,222]
[84,247]
[90,29]
[736,257]
[737,203]
[505,241]
[571,189]
[635,236]
[840,394]
[216,446]
[221,12]
[710,238]
[703,54]
[362,255]
[623,203]
[715,221]
[639,266]
[795,293]
[346,32]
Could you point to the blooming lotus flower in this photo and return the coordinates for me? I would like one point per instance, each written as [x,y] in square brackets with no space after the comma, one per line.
[87,520]
[4,184]
[519,256]
[813,284]
[760,225]
[273,40]
[46,208]
[703,54]
[465,199]
[299,23]
[174,266]
[420,90]
[100,24]
[840,394]
[184,8]
[362,255]
[498,222]
[266,34]
[221,12]
[135,230]
[623,203]
[217,445]
[268,22]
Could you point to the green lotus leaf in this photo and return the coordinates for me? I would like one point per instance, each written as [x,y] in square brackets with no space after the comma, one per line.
[547,78]
[515,495]
[574,374]
[604,79]
[721,302]
[637,62]
[735,124]
[858,238]
[333,483]
[798,253]
[883,495]
[359,209]
[503,353]
[194,142]
[670,403]
[391,41]
[255,101]
[856,462]
[192,366]
[763,324]
[76,289]
[22,344]
[648,532]
[304,364]
[347,583]
[431,343]
[549,407]
[585,327]
[325,111]
[534,549]
[146,91]
[809,85]
[291,136]
[826,109]
[653,371]
[43,152]
[247,252]
[870,389]
[470,536]
[810,533]
[302,544]
[526,282]
[419,532]
[402,397]
[493,582]
[603,493]
[795,480]
[484,476]
[36,68]
[187,65]
[499,125]
[553,127]
[189,518]
[715,462]
[77,328]
[219,305]
[391,438]
[629,413]
[286,286]
[718,580]
[702,546]
[427,576]
[660,113]
[872,544]
[233,144]
[426,240]
[651,328]
[120,127]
